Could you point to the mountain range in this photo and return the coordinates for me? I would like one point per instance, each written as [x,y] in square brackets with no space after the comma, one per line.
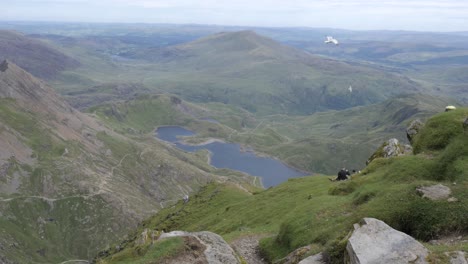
[73,182]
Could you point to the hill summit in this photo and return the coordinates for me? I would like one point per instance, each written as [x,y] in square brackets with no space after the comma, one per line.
[263,76]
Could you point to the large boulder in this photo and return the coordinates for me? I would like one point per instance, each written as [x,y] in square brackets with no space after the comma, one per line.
[374,242]
[413,129]
[435,192]
[390,148]
[216,251]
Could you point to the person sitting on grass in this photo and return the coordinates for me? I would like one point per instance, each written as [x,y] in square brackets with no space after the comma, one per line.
[342,175]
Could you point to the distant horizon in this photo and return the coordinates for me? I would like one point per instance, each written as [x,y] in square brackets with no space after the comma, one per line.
[359,15]
[29,22]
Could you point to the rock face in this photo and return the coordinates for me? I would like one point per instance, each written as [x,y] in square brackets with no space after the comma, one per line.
[390,148]
[414,129]
[217,250]
[435,192]
[374,242]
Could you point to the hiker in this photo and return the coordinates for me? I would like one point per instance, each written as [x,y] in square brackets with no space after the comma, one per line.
[342,175]
[186,198]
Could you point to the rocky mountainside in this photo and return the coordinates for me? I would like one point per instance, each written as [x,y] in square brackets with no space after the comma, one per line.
[35,56]
[69,184]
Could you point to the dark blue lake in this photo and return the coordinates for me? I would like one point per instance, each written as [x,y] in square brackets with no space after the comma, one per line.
[228,155]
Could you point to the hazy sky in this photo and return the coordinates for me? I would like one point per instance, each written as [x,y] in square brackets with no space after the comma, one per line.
[422,15]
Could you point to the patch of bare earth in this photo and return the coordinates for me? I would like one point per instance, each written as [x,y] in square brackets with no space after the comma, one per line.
[192,253]
[247,247]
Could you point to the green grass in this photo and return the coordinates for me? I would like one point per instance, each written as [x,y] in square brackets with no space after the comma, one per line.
[313,210]
[148,253]
[440,130]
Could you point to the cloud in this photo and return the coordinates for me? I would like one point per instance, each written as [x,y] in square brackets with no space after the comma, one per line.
[351,14]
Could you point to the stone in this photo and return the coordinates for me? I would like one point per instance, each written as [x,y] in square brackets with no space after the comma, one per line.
[457,257]
[413,129]
[315,259]
[435,192]
[217,250]
[390,148]
[295,256]
[374,242]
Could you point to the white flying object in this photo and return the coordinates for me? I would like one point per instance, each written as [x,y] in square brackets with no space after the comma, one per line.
[330,39]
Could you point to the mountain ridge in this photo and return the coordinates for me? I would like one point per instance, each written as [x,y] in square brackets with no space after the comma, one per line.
[38,57]
[266,77]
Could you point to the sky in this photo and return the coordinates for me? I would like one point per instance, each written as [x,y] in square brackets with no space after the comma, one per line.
[419,15]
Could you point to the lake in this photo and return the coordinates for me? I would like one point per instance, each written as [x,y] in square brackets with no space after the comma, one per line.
[229,155]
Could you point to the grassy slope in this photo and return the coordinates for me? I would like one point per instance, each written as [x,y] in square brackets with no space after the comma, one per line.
[242,69]
[37,227]
[313,210]
[322,142]
[77,215]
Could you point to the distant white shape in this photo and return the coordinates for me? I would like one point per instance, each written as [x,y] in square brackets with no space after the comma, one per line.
[330,39]
[350,89]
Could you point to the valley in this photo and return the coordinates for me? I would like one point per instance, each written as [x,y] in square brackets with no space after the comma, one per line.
[81,168]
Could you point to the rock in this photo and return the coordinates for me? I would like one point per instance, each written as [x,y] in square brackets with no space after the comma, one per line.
[452,200]
[390,148]
[217,250]
[457,257]
[295,256]
[413,129]
[319,258]
[374,242]
[435,192]
[145,236]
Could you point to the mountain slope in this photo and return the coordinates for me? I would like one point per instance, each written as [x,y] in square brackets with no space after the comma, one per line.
[35,56]
[263,76]
[69,185]
[314,211]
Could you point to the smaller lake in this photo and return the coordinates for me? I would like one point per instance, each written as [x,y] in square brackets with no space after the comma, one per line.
[228,155]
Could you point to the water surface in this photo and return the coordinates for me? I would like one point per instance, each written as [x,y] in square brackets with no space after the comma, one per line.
[229,155]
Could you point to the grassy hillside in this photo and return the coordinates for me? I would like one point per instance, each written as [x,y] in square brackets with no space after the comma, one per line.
[237,68]
[322,142]
[261,75]
[69,185]
[313,210]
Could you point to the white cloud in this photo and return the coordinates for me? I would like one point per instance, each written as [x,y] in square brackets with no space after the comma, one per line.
[353,14]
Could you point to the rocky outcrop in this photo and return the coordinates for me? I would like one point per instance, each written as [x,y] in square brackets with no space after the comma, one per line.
[413,129]
[390,148]
[373,241]
[435,192]
[216,249]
